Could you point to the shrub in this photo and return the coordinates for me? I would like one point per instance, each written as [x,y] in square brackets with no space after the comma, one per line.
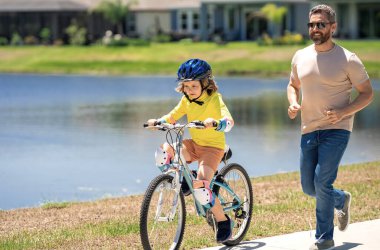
[30,40]
[77,35]
[138,42]
[161,38]
[45,35]
[3,41]
[287,39]
[117,40]
[58,42]
[16,39]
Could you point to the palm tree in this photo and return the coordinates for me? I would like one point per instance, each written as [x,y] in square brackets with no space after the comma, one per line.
[274,15]
[115,11]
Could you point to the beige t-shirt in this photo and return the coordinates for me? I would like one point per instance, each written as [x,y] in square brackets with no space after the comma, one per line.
[326,80]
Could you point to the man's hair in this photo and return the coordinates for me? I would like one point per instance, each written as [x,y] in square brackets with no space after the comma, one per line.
[325,9]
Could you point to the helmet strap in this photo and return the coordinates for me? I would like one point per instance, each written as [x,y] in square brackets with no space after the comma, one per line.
[195,99]
[200,103]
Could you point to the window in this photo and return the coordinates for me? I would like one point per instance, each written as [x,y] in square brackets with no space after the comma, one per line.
[183,21]
[231,19]
[195,21]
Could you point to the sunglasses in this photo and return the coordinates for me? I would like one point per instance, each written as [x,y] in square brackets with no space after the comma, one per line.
[319,25]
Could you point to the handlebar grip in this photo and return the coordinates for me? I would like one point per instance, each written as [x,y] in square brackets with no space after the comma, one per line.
[145,125]
[198,123]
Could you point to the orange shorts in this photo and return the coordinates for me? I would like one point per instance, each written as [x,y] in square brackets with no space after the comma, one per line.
[206,156]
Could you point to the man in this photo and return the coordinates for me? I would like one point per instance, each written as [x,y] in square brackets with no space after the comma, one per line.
[326,73]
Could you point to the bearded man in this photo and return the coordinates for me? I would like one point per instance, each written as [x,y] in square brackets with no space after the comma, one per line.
[326,73]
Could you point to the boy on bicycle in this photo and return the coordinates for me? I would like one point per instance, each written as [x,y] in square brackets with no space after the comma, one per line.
[202,102]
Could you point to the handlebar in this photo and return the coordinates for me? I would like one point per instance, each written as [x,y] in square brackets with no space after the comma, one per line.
[165,126]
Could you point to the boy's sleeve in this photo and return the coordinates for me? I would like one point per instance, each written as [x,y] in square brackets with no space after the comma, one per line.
[224,110]
[176,113]
[226,122]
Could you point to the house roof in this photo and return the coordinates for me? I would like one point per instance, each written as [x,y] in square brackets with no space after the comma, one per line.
[254,1]
[150,5]
[84,5]
[43,5]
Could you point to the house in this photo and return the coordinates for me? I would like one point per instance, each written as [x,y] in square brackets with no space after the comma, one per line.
[241,19]
[203,19]
[29,17]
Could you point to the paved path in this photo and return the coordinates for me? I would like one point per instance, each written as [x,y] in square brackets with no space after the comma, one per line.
[358,236]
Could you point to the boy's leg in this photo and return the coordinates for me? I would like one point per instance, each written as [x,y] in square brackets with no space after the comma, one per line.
[207,173]
[168,148]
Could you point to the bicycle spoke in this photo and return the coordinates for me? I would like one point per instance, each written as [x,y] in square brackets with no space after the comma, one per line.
[162,225]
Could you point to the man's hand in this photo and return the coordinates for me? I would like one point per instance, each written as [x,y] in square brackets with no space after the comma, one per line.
[293,110]
[334,116]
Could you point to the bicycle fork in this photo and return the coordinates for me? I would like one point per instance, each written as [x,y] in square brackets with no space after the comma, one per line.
[172,212]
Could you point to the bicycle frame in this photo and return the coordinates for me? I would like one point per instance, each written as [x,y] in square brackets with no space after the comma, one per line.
[182,172]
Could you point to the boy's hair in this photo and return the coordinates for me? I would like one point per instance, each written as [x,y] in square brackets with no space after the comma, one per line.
[207,84]
[325,9]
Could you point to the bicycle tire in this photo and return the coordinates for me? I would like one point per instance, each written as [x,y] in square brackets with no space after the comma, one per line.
[161,234]
[243,188]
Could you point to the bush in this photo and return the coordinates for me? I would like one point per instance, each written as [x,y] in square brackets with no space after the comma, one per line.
[161,38]
[58,42]
[3,41]
[186,40]
[16,39]
[45,35]
[287,39]
[138,42]
[30,40]
[77,35]
[117,40]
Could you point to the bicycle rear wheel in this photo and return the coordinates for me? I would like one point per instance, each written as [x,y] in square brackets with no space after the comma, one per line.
[238,180]
[158,230]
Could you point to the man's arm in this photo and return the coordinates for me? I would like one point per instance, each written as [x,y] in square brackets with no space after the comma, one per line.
[364,98]
[293,91]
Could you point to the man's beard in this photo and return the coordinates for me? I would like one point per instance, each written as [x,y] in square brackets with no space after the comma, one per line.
[320,39]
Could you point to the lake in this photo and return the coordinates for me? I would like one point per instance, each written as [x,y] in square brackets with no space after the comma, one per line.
[77,138]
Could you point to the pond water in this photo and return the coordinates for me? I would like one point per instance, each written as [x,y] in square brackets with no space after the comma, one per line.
[75,138]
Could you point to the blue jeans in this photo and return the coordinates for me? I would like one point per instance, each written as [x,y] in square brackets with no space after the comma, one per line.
[321,152]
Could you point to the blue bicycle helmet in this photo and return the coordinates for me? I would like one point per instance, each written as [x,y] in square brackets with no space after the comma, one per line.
[193,69]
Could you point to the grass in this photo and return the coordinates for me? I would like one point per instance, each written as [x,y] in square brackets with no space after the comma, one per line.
[232,59]
[279,207]
[55,205]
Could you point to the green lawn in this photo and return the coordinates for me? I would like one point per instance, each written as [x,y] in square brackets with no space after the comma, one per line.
[235,58]
[280,207]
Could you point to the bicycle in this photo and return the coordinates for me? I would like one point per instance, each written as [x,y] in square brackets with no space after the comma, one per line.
[163,211]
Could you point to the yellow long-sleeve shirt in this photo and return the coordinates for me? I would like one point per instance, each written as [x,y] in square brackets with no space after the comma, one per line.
[213,107]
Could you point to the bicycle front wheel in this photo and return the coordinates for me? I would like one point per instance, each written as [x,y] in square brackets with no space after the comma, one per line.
[238,180]
[162,222]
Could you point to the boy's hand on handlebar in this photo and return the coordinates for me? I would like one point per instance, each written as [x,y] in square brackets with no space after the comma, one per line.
[152,122]
[210,123]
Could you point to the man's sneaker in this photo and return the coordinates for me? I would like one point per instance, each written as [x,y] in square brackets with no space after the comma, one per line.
[224,230]
[322,244]
[344,214]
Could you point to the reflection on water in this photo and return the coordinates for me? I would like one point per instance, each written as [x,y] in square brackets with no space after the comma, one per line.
[80,138]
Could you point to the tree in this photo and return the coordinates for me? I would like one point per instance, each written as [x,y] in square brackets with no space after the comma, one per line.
[274,15]
[115,11]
